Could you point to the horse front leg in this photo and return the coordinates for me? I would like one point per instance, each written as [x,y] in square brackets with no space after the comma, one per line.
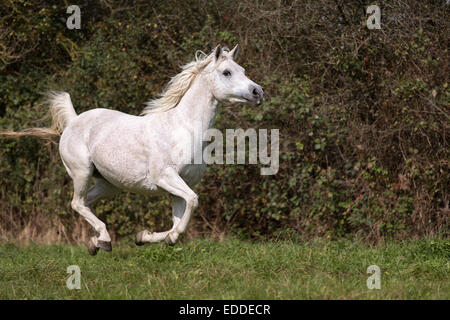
[183,204]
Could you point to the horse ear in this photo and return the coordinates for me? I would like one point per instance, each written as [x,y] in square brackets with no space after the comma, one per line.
[233,53]
[217,52]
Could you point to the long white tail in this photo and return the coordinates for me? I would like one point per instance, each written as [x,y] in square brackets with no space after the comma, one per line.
[61,111]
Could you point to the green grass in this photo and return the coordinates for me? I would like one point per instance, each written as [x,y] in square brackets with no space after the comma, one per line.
[232,269]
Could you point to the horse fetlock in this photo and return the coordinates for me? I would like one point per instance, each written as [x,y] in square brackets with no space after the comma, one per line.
[139,240]
[92,246]
[143,237]
[172,237]
[95,244]
[102,232]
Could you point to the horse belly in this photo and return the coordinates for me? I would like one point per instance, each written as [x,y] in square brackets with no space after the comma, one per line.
[130,180]
[125,169]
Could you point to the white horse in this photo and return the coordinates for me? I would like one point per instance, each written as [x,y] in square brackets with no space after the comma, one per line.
[142,154]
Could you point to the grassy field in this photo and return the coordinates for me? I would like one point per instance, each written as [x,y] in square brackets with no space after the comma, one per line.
[232,269]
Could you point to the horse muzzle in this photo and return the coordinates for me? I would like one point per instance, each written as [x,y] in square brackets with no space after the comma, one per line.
[255,94]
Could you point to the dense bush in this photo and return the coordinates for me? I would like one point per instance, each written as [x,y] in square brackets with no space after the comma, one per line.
[363,114]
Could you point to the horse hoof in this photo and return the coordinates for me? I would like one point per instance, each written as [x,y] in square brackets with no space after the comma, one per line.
[92,248]
[138,239]
[104,245]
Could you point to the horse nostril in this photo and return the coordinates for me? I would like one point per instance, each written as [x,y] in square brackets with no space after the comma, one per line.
[256,92]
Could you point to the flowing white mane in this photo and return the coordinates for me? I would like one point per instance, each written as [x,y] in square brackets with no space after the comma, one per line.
[178,85]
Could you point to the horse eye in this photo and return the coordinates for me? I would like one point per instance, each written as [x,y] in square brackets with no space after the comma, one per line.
[227,73]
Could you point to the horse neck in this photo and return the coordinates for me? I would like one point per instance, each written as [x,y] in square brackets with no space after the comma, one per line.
[197,109]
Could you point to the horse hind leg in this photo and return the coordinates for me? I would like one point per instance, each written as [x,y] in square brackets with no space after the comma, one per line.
[101,190]
[81,202]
